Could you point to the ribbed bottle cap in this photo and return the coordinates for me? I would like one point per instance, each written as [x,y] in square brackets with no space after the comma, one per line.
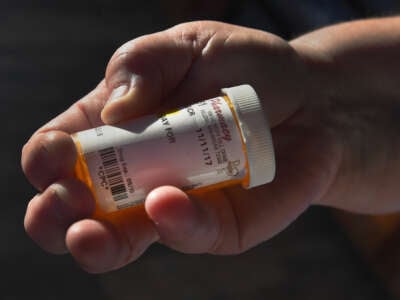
[255,132]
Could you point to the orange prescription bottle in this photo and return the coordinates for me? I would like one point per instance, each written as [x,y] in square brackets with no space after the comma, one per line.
[212,144]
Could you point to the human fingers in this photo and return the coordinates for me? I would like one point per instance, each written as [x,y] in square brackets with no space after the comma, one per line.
[48,157]
[147,69]
[187,224]
[82,114]
[55,219]
[193,61]
[50,213]
[233,220]
[112,241]
[50,153]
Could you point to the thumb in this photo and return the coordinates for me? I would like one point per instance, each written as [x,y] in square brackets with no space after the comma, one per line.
[185,224]
[144,71]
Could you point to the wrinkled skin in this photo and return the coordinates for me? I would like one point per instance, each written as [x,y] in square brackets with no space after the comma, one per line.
[182,65]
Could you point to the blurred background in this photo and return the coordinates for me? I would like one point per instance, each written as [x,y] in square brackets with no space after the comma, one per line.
[54,52]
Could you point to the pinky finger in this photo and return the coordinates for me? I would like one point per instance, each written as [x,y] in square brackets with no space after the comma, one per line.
[49,214]
[112,242]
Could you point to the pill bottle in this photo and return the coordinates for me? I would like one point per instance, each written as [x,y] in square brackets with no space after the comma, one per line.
[209,145]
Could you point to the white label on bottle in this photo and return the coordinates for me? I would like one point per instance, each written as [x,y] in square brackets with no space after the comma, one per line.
[189,148]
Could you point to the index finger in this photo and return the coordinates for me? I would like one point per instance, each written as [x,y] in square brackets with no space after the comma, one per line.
[50,153]
[81,115]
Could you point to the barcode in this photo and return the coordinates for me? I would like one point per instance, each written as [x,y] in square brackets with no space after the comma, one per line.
[113,174]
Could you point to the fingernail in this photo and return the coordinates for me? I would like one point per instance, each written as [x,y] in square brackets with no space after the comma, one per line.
[118,93]
[61,193]
[59,207]
[123,89]
[59,189]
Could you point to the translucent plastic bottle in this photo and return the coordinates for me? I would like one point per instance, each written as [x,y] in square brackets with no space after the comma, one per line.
[208,145]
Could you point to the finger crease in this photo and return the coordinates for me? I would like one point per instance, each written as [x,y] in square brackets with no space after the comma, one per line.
[216,246]
[82,110]
[240,244]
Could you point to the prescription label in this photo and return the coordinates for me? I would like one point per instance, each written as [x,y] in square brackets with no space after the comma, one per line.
[192,147]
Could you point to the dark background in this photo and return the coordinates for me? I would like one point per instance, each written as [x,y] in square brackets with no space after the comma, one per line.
[51,54]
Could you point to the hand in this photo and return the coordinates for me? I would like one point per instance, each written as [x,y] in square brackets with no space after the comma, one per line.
[187,63]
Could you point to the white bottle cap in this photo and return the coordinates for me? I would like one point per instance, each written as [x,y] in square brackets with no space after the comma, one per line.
[255,132]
